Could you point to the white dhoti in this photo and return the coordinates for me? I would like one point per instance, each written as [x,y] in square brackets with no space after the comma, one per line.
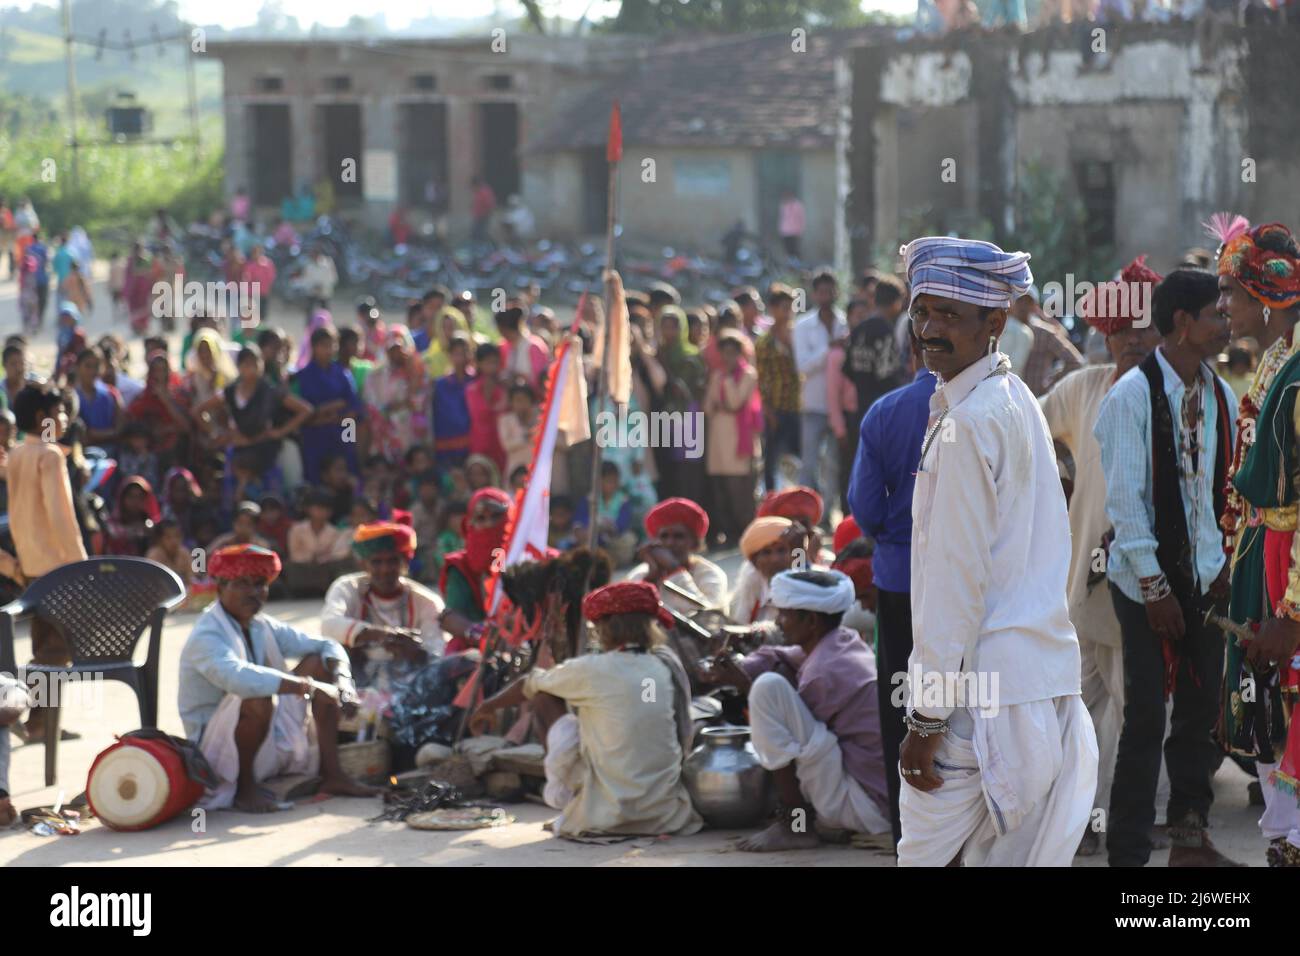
[1281,817]
[783,729]
[563,762]
[1017,789]
[290,746]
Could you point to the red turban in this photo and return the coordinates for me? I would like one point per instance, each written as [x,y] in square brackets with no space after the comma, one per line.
[799,503]
[859,571]
[244,561]
[1113,306]
[625,597]
[381,537]
[680,511]
[846,532]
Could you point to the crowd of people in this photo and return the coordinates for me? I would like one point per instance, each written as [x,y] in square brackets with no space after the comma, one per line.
[976,475]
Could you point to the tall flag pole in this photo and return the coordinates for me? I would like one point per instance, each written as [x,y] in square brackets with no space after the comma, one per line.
[613,154]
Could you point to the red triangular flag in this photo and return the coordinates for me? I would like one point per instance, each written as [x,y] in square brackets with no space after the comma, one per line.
[614,148]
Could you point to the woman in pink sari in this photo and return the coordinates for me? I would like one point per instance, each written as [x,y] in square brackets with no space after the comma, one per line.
[734,418]
[396,395]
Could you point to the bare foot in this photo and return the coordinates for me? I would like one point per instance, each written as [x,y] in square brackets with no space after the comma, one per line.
[7,812]
[779,837]
[344,786]
[256,800]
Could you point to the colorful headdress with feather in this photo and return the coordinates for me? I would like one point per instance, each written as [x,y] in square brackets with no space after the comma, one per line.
[1265,259]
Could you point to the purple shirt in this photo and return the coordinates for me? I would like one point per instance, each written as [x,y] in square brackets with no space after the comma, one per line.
[837,682]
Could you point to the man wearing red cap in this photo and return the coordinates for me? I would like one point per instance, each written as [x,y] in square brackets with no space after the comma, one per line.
[804,506]
[379,613]
[1118,311]
[677,527]
[614,767]
[244,706]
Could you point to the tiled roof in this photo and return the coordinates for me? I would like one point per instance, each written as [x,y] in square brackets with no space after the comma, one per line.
[706,91]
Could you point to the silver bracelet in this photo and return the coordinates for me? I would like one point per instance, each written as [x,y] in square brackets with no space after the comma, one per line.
[924,728]
[1156,590]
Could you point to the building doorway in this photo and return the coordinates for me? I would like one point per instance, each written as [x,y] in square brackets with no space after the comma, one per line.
[424,156]
[499,148]
[270,167]
[341,139]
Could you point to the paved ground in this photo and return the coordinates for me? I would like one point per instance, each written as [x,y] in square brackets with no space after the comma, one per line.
[334,830]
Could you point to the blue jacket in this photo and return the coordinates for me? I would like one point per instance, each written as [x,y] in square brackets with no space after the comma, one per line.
[884,474]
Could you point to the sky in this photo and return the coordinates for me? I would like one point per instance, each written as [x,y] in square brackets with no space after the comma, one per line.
[335,13]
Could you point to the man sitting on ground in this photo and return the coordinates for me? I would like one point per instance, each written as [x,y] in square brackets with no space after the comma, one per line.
[813,714]
[379,611]
[677,528]
[245,708]
[614,767]
[768,546]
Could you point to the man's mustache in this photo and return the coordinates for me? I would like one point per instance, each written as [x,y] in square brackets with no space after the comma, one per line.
[937,343]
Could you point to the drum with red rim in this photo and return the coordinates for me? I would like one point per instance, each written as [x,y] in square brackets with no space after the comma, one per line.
[139,783]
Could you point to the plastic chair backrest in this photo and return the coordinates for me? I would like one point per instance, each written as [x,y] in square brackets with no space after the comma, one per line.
[102,606]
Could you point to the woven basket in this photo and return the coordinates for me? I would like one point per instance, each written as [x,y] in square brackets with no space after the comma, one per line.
[366,760]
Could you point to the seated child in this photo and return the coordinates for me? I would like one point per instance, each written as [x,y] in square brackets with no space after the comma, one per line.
[318,551]
[275,523]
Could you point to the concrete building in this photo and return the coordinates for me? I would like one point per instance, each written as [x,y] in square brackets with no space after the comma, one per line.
[393,121]
[1147,129]
[715,128]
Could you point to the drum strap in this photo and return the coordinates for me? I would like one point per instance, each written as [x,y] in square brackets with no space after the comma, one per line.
[196,765]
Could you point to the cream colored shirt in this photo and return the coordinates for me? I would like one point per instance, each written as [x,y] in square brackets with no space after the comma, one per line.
[350,608]
[630,778]
[41,517]
[1071,412]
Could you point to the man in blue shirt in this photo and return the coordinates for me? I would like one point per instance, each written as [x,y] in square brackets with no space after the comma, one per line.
[251,715]
[880,497]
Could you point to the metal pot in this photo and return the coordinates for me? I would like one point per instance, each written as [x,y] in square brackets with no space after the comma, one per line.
[727,784]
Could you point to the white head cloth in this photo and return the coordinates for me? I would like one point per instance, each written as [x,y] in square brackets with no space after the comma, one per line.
[793,594]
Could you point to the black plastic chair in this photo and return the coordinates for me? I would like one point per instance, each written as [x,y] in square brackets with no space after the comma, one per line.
[101,607]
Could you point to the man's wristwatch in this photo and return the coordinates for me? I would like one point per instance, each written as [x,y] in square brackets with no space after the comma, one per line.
[922,727]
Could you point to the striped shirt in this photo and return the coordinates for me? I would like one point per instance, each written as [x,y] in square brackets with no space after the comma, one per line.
[1123,430]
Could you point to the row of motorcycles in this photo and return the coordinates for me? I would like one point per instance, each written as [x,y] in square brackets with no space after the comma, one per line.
[399,274]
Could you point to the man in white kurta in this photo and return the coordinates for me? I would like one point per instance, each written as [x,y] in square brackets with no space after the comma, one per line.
[1071,412]
[389,623]
[1000,760]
